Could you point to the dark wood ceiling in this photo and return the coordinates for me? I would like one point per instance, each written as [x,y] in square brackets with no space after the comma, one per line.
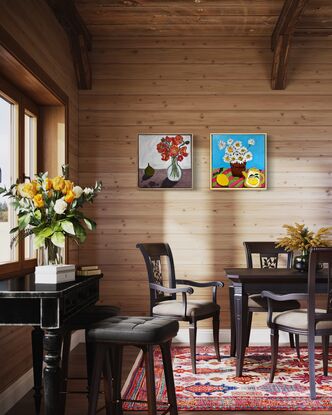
[198,17]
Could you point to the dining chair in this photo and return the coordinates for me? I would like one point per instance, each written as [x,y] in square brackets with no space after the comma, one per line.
[269,257]
[163,300]
[309,321]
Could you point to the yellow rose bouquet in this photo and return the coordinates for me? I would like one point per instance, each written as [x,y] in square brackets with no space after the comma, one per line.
[48,208]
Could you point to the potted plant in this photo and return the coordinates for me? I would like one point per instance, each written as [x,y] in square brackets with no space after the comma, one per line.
[300,239]
[49,209]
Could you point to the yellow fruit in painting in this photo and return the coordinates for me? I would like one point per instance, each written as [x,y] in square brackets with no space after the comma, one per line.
[222,180]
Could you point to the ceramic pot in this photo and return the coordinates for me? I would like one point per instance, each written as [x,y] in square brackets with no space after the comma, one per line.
[301,262]
[237,169]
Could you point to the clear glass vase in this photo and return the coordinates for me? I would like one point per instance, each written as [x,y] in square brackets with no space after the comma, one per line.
[174,171]
[49,254]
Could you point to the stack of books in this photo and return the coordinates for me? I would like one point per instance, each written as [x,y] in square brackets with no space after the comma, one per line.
[86,270]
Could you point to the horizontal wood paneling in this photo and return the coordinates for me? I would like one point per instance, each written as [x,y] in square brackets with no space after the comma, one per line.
[216,83]
[34,27]
[146,18]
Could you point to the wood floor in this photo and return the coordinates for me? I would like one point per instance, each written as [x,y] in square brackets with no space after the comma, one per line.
[77,403]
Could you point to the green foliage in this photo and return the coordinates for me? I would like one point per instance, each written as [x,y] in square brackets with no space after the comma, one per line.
[49,208]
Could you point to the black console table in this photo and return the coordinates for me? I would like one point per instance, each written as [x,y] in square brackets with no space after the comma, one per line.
[46,308]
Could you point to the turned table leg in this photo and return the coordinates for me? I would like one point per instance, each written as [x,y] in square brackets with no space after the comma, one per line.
[37,361]
[52,351]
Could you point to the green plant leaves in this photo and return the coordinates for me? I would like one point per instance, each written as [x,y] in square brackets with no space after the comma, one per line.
[80,232]
[58,239]
[23,221]
[68,227]
[45,233]
[90,224]
[37,214]
[38,241]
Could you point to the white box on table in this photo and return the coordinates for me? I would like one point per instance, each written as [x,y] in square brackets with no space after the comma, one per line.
[54,274]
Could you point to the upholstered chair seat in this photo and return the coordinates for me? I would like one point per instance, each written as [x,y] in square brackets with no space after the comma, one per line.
[298,319]
[194,308]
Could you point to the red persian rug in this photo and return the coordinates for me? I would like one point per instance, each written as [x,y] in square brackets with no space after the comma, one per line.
[215,386]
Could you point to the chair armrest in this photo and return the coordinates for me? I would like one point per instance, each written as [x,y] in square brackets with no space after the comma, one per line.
[213,284]
[201,284]
[157,287]
[271,297]
[284,297]
[323,316]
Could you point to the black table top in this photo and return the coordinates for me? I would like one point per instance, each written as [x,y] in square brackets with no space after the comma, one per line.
[25,286]
[282,275]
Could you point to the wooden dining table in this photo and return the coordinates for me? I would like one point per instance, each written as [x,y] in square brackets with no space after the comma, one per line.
[245,281]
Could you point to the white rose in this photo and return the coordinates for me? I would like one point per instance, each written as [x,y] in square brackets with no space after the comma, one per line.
[60,206]
[20,190]
[88,190]
[77,191]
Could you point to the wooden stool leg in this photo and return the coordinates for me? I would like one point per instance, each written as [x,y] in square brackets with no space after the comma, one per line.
[150,379]
[89,356]
[99,359]
[116,365]
[169,378]
[64,370]
[108,384]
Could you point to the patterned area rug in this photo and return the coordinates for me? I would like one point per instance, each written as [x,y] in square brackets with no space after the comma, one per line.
[215,387]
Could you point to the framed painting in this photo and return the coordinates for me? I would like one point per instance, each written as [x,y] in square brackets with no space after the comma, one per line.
[238,161]
[165,161]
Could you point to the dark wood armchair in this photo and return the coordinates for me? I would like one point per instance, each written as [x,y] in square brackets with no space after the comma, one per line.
[309,321]
[269,257]
[163,301]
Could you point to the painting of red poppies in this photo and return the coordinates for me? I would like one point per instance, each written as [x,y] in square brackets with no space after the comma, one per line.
[238,161]
[165,161]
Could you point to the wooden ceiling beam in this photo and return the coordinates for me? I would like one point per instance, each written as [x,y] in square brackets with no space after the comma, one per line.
[282,38]
[79,39]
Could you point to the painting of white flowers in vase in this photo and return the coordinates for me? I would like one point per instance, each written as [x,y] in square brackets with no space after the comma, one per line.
[165,161]
[238,161]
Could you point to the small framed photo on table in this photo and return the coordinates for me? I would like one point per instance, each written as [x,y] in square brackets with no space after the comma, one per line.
[165,161]
[238,161]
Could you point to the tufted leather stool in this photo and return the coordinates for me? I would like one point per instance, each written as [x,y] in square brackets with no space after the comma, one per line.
[82,321]
[108,338]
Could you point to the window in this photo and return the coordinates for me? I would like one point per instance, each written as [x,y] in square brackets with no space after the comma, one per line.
[18,159]
[30,165]
[8,174]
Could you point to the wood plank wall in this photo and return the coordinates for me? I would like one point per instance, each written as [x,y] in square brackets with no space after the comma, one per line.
[199,84]
[36,29]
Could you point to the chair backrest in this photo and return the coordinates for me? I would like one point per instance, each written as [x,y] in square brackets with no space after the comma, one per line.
[269,254]
[317,258]
[153,253]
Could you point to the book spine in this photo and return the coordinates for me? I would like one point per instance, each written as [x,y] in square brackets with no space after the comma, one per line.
[88,272]
[88,267]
